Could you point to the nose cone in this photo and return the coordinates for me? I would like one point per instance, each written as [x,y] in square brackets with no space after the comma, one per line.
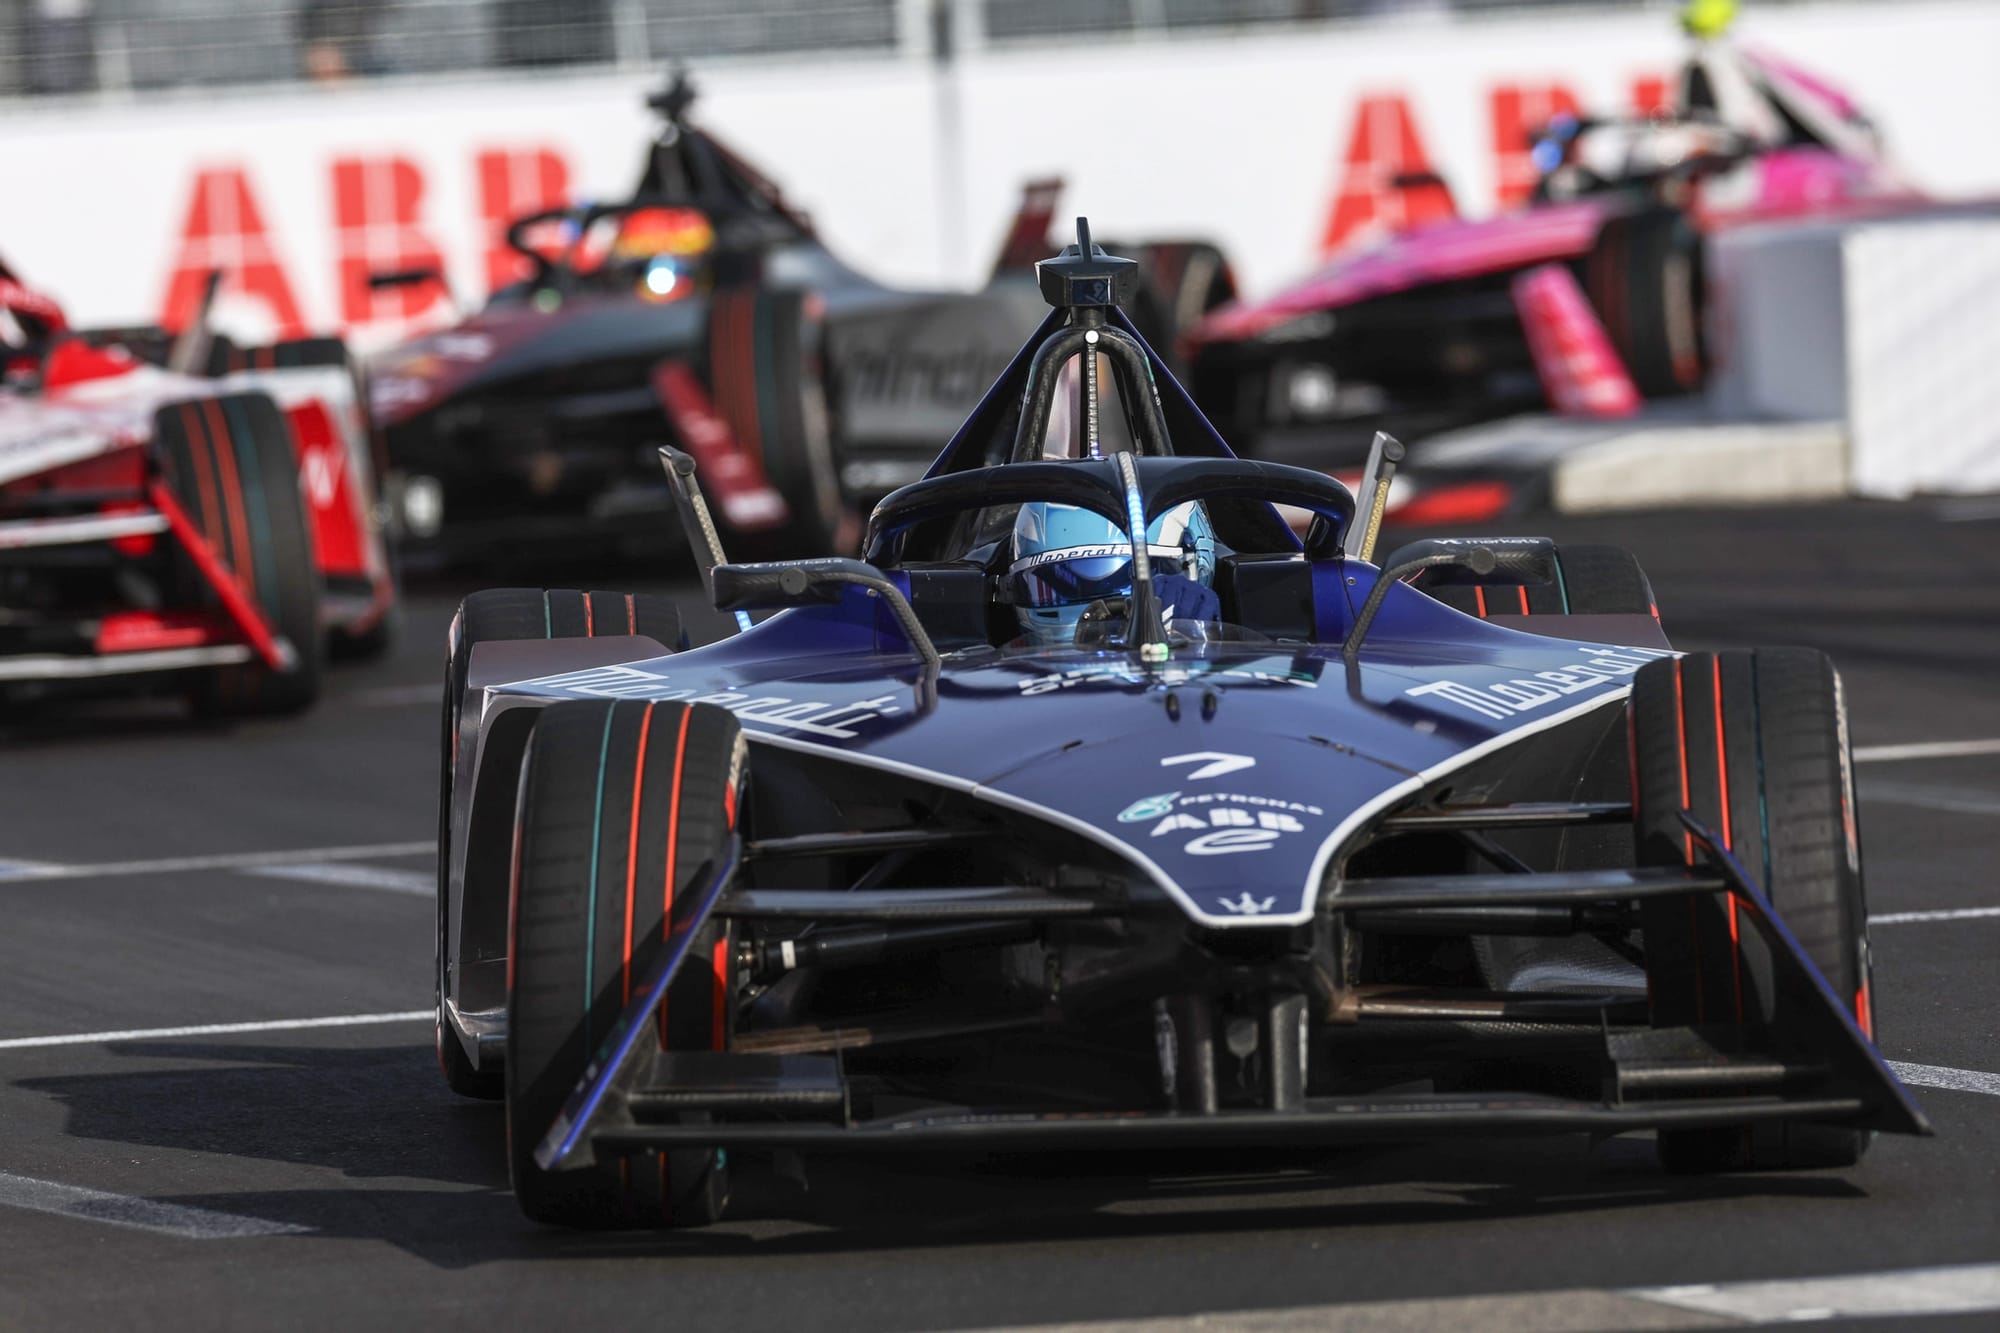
[1240,833]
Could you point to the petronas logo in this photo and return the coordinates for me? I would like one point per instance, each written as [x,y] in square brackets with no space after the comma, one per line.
[1148,807]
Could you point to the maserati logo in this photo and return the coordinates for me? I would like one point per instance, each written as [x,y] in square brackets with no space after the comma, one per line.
[1248,906]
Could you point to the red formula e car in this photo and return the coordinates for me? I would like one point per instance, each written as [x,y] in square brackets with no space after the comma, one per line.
[1587,301]
[705,312]
[182,513]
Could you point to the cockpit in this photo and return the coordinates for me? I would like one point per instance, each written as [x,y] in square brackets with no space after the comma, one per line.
[1025,535]
[1086,504]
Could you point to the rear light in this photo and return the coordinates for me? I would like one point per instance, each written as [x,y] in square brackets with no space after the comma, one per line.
[156,631]
[139,544]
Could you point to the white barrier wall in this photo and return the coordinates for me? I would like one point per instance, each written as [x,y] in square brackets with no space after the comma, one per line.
[1890,328]
[1271,144]
[1923,401]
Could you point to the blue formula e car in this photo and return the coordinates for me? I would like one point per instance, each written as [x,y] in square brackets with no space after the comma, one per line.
[1096,809]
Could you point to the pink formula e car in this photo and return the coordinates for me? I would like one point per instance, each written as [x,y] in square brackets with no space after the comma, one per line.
[179,513]
[1587,301]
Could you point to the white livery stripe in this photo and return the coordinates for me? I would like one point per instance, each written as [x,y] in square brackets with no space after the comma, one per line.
[1943,1076]
[219,1029]
[122,1210]
[226,861]
[77,666]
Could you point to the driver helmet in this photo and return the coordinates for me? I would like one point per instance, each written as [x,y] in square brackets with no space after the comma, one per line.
[1066,558]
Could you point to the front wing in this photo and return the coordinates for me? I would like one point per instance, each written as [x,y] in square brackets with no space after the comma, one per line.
[1818,1066]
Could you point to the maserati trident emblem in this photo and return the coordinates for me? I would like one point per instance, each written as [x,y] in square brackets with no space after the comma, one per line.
[1248,906]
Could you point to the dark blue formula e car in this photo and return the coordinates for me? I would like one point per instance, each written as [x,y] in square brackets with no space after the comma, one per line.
[1096,809]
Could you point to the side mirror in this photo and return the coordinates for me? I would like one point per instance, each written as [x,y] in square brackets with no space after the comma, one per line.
[1514,559]
[777,584]
[1520,559]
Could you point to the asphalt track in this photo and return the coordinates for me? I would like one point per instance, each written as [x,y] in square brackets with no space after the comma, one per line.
[159,874]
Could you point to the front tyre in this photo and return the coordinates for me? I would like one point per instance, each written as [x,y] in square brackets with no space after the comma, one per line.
[1755,745]
[487,616]
[625,809]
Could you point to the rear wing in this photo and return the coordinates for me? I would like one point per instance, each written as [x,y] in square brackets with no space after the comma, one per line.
[1028,235]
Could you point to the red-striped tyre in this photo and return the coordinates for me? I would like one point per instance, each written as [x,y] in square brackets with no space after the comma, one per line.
[500,614]
[1755,745]
[625,809]
[226,358]
[765,355]
[230,463]
[1645,278]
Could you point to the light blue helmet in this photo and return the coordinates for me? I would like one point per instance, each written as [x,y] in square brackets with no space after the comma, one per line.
[1065,558]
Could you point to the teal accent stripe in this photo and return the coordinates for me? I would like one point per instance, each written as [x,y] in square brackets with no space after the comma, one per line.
[244,445]
[548,620]
[590,914]
[1562,588]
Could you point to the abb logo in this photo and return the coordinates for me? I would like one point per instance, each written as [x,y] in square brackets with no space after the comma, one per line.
[1387,182]
[378,212]
[378,225]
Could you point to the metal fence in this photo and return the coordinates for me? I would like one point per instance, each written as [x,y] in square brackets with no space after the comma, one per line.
[123,47]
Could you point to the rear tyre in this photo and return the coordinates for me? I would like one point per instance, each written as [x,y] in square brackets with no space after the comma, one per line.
[515,613]
[225,357]
[1590,581]
[766,373]
[1180,282]
[229,462]
[1645,278]
[594,901]
[1755,745]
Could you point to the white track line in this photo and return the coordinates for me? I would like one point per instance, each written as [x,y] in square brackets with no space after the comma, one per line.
[1946,914]
[1878,754]
[1961,1289]
[219,1029]
[227,861]
[1943,1076]
[122,1210]
[354,875]
[1951,800]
